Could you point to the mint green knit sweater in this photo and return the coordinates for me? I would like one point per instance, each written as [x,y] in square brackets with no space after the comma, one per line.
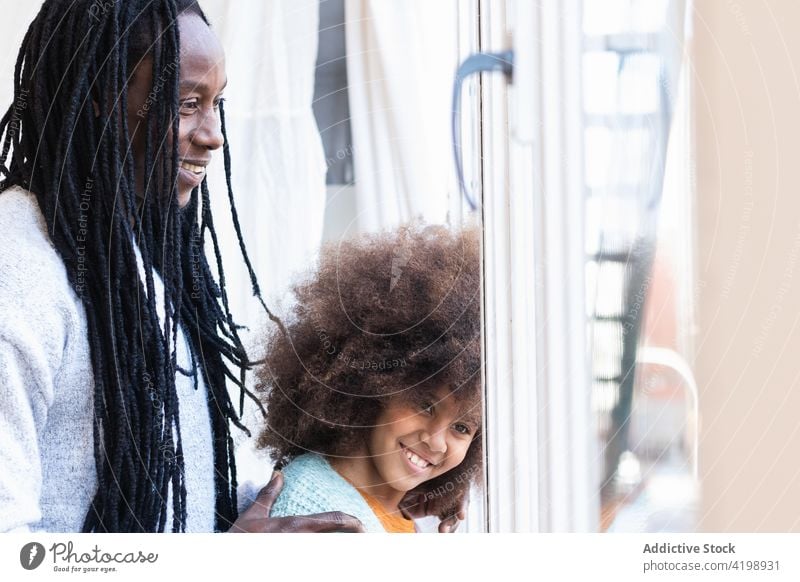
[311,485]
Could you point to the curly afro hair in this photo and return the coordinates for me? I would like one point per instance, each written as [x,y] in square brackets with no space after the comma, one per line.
[391,315]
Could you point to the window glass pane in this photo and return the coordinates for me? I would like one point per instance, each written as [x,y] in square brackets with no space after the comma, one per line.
[604,16]
[647,15]
[597,158]
[600,78]
[634,156]
[612,223]
[639,84]
[609,290]
[643,405]
[607,338]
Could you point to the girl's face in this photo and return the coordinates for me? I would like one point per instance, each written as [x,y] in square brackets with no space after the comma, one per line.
[202,80]
[413,444]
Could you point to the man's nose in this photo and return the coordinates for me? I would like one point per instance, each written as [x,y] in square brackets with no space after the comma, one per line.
[209,134]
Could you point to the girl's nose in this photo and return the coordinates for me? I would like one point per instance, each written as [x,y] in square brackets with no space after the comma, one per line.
[436,440]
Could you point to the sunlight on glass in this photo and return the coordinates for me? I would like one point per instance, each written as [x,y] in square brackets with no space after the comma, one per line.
[639,84]
[604,16]
[600,82]
[623,16]
[597,142]
[611,222]
[634,156]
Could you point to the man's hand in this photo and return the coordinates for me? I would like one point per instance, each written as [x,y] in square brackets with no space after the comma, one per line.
[418,505]
[256,518]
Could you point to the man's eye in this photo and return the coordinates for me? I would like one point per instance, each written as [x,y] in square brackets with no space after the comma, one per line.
[189,106]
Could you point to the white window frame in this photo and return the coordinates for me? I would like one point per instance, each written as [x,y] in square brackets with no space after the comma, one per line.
[541,466]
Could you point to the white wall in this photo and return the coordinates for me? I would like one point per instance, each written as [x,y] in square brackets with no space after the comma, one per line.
[747,110]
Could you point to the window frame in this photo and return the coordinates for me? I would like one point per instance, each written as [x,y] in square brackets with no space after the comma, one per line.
[541,457]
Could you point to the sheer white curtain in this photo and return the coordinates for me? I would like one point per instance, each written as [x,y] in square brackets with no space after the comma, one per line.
[277,157]
[401,59]
[278,165]
[17,16]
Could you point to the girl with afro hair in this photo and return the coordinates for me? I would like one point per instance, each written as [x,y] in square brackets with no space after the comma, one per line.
[373,387]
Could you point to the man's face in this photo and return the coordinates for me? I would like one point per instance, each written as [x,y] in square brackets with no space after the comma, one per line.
[202,80]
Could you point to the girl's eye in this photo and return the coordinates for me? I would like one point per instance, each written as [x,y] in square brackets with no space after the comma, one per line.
[462,428]
[427,408]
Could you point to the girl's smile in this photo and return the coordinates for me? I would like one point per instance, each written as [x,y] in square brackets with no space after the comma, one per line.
[417,462]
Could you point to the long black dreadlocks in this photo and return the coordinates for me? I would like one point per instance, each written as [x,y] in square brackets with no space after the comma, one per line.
[78,57]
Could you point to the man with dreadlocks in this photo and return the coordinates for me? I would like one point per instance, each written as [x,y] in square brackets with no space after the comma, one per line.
[116,342]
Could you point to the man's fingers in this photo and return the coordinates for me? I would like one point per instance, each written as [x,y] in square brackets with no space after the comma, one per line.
[413,506]
[463,506]
[267,496]
[330,522]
